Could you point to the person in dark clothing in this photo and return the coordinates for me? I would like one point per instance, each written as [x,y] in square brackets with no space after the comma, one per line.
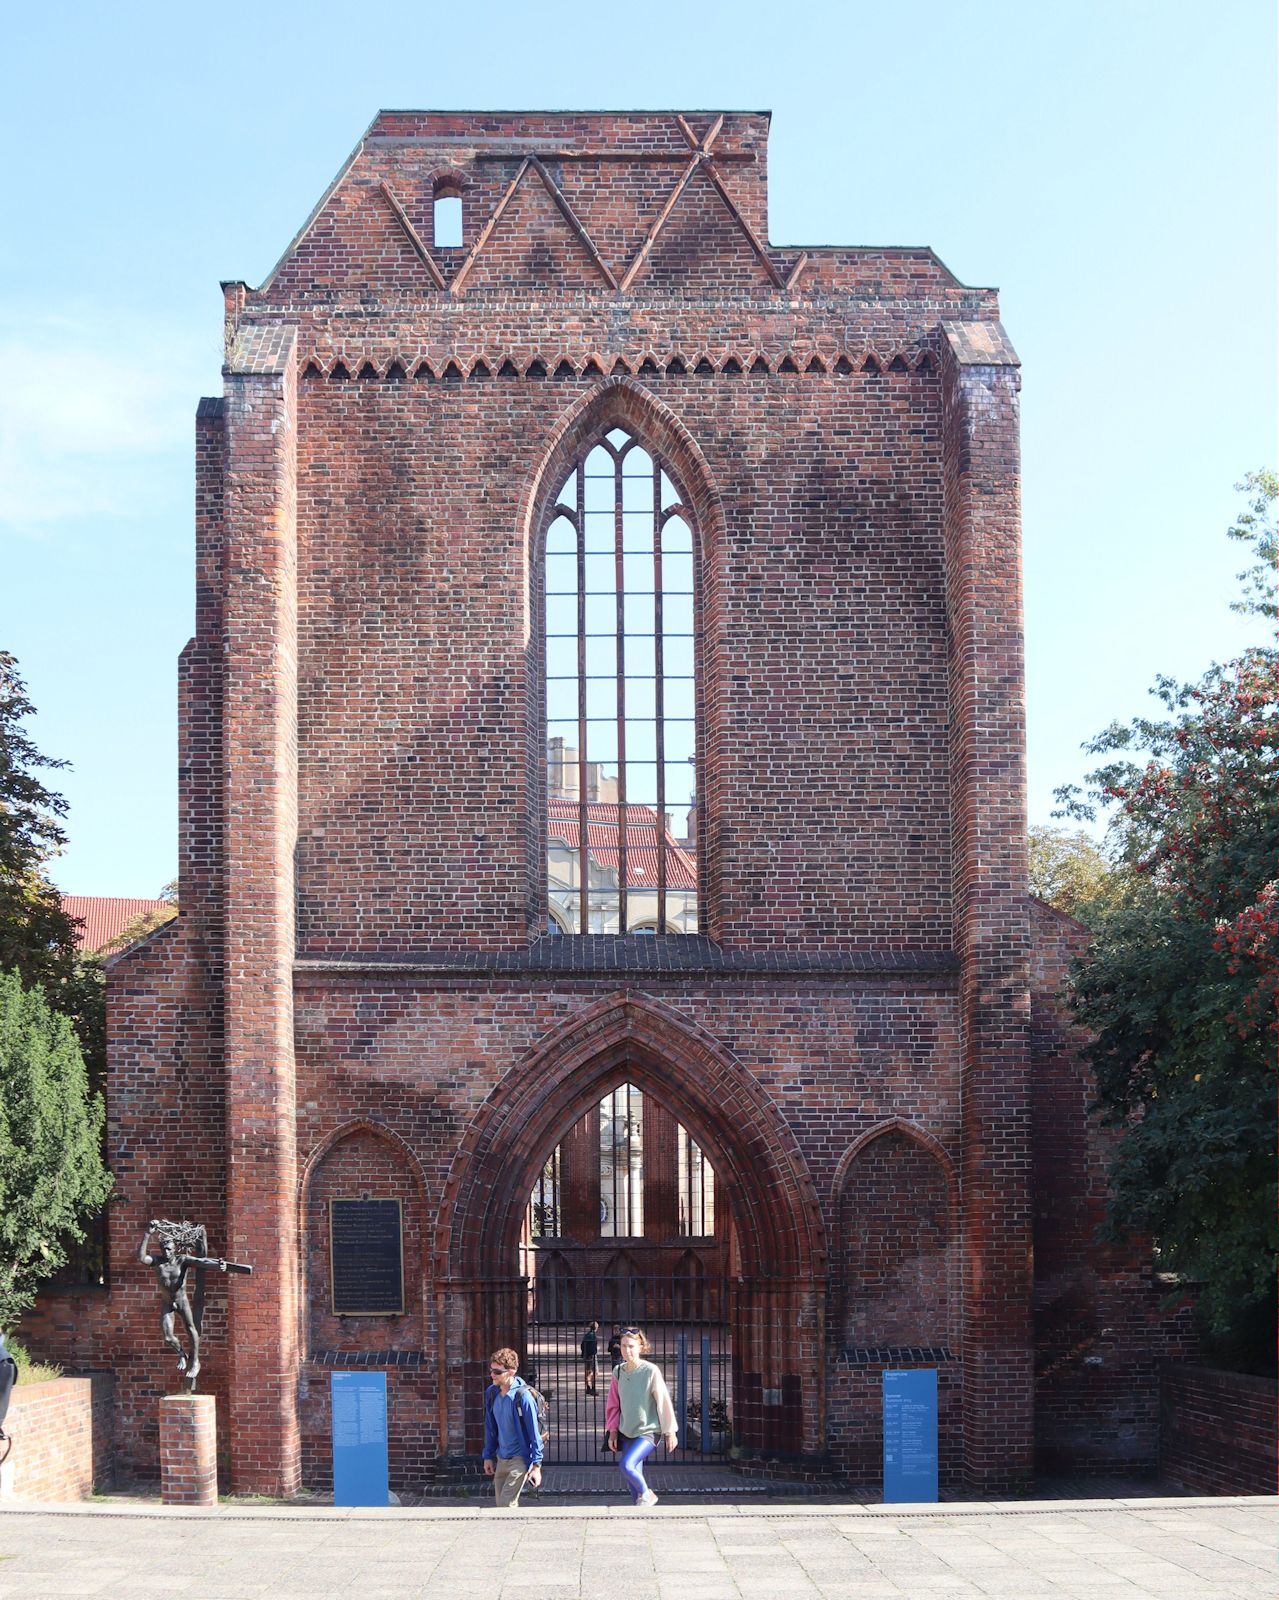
[8,1379]
[615,1345]
[590,1355]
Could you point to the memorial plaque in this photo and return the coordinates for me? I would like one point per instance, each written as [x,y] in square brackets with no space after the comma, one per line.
[360,1453]
[366,1257]
[910,1435]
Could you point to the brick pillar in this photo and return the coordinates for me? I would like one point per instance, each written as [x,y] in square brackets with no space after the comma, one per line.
[188,1450]
[987,760]
[580,1180]
[260,755]
[200,709]
[661,1174]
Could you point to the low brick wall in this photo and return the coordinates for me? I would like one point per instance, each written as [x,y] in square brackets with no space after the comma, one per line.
[63,1439]
[1217,1431]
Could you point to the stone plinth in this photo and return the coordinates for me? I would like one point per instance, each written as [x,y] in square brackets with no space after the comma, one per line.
[188,1450]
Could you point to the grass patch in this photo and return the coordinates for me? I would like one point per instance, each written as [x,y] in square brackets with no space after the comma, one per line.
[30,1371]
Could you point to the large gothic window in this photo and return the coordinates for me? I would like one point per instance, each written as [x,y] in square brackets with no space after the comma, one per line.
[621,697]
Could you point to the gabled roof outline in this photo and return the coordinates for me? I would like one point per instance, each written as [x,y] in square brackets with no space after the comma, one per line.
[786,282]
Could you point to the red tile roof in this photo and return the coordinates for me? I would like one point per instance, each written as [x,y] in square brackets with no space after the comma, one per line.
[641,842]
[102,917]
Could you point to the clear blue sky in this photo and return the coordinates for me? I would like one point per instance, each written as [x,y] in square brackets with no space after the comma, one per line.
[1108,164]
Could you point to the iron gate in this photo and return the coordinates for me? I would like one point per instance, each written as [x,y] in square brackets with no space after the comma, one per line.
[687,1322]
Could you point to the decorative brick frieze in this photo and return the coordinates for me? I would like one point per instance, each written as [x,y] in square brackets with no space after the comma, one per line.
[365,365]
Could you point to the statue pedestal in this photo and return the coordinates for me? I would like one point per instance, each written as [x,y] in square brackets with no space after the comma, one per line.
[188,1450]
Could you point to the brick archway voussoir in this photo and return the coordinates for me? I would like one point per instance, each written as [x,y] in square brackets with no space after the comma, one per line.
[624,1036]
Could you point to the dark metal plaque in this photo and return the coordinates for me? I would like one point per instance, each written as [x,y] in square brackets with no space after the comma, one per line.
[366,1255]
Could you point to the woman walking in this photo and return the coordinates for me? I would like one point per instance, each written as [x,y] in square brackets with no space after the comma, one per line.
[638,1410]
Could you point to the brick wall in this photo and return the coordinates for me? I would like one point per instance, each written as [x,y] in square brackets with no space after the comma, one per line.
[896,1227]
[844,718]
[166,1147]
[63,1439]
[1218,1430]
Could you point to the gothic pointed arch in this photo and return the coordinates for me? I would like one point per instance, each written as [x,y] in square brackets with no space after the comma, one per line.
[344,1130]
[896,1253]
[620,402]
[629,1037]
[908,1130]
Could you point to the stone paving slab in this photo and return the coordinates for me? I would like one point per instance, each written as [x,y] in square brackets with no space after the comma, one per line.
[1176,1549]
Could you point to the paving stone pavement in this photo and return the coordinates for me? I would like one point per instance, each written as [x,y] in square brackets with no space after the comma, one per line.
[1183,1549]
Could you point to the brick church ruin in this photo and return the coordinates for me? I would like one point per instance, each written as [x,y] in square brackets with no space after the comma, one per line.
[603,839]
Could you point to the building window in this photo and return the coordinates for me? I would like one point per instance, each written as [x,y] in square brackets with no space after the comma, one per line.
[621,696]
[447,219]
[622,1164]
[679,1165]
[544,1203]
[696,1189]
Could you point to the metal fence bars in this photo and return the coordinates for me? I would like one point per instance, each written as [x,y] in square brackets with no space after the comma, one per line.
[687,1322]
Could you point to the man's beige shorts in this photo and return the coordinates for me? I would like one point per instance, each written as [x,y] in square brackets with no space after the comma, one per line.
[508,1479]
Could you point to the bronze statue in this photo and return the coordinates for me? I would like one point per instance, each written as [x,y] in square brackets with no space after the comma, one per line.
[183,1245]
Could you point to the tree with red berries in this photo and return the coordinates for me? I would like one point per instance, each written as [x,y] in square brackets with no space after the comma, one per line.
[1179,986]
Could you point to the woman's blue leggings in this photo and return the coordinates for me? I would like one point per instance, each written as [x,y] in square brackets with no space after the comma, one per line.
[633,1455]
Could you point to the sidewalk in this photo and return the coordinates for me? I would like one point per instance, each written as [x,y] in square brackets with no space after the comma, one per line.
[1183,1549]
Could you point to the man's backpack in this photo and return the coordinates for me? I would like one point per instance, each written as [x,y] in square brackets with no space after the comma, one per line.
[543,1412]
[540,1401]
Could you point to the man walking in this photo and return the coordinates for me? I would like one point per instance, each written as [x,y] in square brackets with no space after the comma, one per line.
[590,1355]
[512,1437]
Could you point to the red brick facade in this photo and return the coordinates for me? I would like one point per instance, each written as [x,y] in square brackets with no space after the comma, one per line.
[358,986]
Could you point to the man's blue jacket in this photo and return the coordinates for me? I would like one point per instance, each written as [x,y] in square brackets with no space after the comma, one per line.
[525,1407]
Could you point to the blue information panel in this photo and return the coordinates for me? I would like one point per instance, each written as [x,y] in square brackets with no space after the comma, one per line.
[910,1435]
[360,1473]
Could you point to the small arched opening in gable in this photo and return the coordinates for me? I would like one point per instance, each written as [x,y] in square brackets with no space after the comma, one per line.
[446,212]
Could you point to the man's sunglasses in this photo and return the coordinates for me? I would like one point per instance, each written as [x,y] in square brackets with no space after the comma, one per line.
[500,1370]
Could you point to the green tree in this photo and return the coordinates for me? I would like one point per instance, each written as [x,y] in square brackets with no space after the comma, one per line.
[52,1174]
[37,938]
[1255,526]
[1070,871]
[1180,984]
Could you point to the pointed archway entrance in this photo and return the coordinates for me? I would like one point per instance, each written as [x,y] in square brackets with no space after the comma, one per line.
[627,1226]
[775,1315]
